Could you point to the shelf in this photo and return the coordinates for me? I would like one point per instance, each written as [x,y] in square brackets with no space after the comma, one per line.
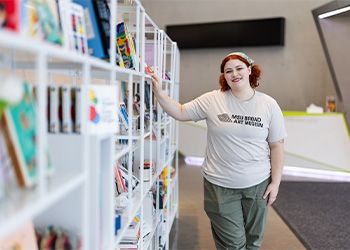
[80,195]
[167,81]
[121,152]
[172,218]
[170,190]
[148,239]
[128,214]
[133,137]
[163,123]
[170,158]
[23,205]
[12,40]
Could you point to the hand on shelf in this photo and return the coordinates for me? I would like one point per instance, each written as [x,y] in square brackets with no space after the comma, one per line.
[155,84]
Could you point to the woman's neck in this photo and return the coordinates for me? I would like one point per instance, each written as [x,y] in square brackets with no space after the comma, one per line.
[243,94]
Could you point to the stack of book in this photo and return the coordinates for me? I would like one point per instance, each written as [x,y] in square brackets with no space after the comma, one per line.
[78,25]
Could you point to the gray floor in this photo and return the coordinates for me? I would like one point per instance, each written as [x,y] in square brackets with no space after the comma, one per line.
[192,229]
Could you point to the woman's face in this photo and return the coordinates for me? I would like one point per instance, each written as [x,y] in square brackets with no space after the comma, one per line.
[236,74]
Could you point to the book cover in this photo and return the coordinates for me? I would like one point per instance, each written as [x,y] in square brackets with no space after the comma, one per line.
[96,47]
[40,18]
[9,14]
[103,108]
[124,45]
[20,133]
[103,15]
[22,238]
[74,27]
[124,118]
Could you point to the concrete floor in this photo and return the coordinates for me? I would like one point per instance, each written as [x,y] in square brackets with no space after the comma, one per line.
[192,229]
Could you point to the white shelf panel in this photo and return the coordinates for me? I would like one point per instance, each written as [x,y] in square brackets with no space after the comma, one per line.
[26,204]
[170,158]
[163,123]
[170,190]
[172,218]
[148,239]
[123,74]
[12,40]
[167,81]
[121,152]
[133,137]
[128,214]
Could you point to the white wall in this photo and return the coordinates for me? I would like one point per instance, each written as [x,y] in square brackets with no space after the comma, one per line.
[295,74]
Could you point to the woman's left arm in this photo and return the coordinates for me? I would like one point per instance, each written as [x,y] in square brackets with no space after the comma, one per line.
[277,158]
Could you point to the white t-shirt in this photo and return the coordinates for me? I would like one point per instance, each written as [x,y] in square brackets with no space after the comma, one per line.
[237,153]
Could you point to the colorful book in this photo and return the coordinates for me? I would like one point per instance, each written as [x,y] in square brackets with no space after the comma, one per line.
[20,134]
[93,34]
[124,118]
[74,27]
[125,46]
[40,18]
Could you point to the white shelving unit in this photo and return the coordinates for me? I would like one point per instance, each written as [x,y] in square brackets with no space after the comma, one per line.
[80,195]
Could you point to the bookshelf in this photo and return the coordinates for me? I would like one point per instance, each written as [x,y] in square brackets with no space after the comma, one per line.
[80,195]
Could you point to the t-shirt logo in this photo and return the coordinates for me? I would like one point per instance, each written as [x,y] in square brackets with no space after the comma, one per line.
[224,118]
[253,121]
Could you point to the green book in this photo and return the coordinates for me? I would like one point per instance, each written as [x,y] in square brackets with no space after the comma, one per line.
[20,134]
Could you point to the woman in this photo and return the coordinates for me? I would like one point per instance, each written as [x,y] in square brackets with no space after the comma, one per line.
[244,155]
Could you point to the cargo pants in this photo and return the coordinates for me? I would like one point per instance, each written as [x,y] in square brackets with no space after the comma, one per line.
[237,216]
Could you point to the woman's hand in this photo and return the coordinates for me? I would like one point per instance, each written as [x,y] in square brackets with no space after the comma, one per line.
[271,192]
[155,84]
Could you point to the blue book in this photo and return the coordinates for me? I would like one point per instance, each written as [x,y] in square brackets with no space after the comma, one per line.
[96,47]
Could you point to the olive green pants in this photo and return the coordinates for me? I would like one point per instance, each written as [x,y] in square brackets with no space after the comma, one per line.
[237,216]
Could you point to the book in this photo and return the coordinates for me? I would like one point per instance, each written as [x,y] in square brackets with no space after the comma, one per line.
[20,132]
[125,46]
[3,156]
[65,103]
[147,96]
[123,117]
[22,238]
[119,58]
[76,109]
[120,184]
[40,18]
[10,14]
[103,16]
[95,46]
[74,27]
[53,103]
[103,103]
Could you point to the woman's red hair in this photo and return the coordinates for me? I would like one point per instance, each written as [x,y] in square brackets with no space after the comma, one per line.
[253,78]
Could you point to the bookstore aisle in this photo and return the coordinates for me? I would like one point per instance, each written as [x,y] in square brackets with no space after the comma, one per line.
[88,159]
[192,229]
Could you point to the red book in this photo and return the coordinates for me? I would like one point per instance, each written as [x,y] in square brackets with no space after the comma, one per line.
[9,14]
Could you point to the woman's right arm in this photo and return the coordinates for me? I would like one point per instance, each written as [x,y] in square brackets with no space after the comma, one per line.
[172,107]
